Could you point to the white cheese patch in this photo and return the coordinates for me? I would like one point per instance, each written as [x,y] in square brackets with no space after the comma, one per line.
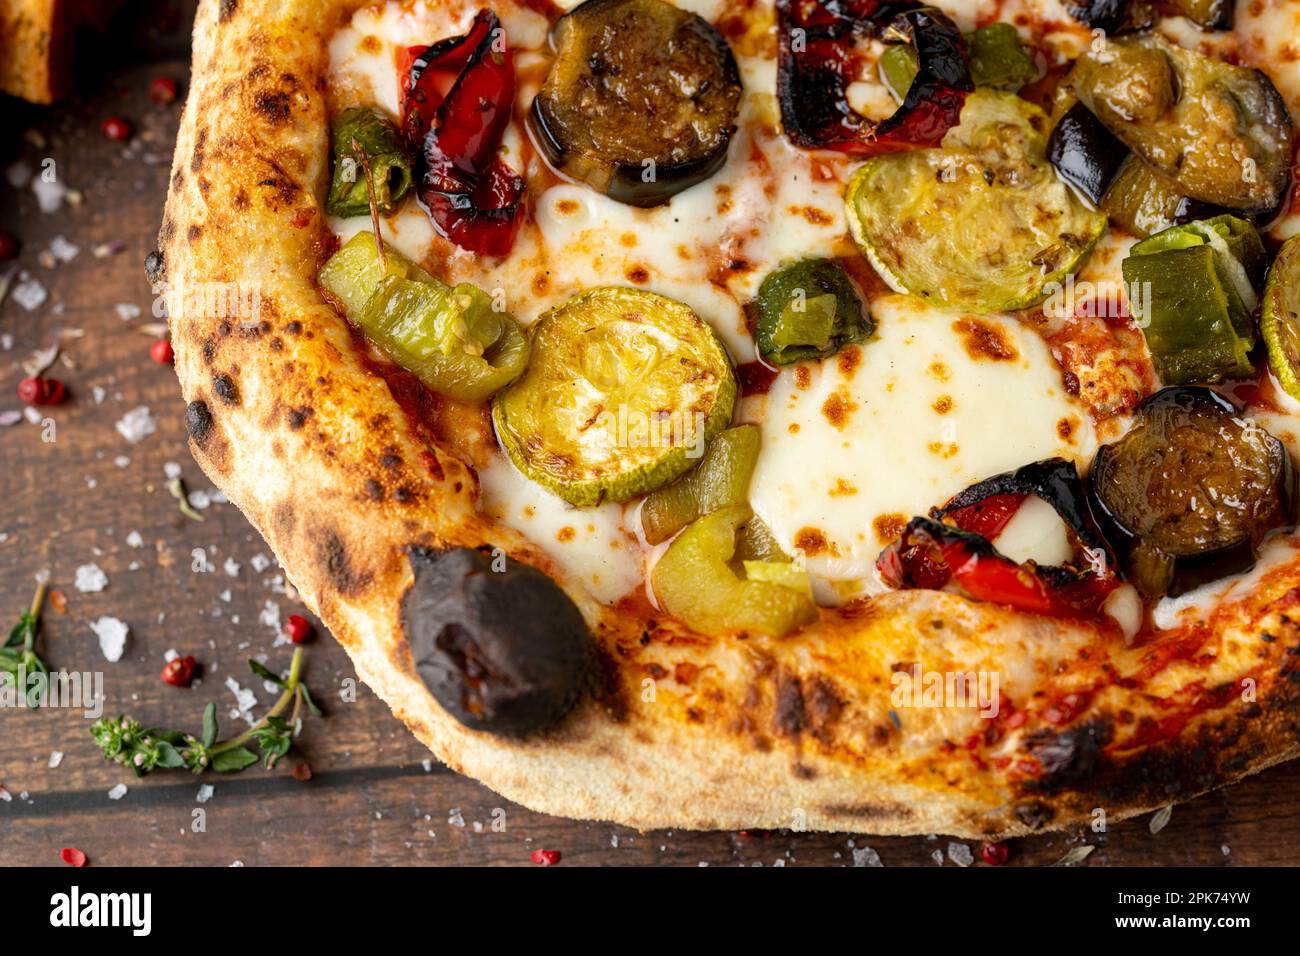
[591,544]
[1035,532]
[1196,605]
[914,422]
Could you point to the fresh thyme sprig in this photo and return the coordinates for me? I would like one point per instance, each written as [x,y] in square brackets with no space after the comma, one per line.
[18,655]
[127,742]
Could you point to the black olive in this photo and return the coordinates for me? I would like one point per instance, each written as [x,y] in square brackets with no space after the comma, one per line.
[1085,153]
[499,644]
[1188,494]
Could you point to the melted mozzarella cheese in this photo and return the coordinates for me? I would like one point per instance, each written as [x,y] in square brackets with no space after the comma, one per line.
[1035,533]
[591,544]
[851,451]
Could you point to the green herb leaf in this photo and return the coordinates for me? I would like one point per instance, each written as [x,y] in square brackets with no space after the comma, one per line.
[275,739]
[261,671]
[307,699]
[234,759]
[26,625]
[210,724]
[168,756]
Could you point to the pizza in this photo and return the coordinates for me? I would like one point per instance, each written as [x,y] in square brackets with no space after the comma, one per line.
[828,414]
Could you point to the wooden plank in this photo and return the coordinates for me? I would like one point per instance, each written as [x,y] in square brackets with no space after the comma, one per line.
[70,502]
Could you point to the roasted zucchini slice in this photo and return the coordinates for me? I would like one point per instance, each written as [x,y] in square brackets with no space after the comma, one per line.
[1221,132]
[697,583]
[982,223]
[624,390]
[641,101]
[1188,494]
[1279,322]
[809,309]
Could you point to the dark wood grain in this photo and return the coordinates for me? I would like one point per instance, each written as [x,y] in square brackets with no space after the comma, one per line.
[371,799]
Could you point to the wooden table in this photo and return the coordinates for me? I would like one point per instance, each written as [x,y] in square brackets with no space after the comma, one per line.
[374,796]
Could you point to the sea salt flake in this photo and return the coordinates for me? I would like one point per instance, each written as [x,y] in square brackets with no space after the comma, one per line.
[137,424]
[63,250]
[49,195]
[126,311]
[32,415]
[118,792]
[960,854]
[270,615]
[29,294]
[56,758]
[260,562]
[90,578]
[245,699]
[135,540]
[18,174]
[866,856]
[231,567]
[205,793]
[112,635]
[171,470]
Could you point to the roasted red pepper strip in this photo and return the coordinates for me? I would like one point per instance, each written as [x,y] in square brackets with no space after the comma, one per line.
[816,62]
[473,198]
[931,555]
[987,517]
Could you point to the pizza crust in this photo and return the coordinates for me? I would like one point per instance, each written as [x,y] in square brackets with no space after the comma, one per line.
[341,472]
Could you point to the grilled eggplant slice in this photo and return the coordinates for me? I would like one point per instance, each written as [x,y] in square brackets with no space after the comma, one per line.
[641,101]
[1221,132]
[1085,153]
[1188,494]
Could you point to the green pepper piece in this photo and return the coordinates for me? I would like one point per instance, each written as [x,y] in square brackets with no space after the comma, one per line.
[995,54]
[365,133]
[1196,326]
[451,339]
[695,582]
[809,309]
[719,480]
[997,58]
[353,273]
[1239,260]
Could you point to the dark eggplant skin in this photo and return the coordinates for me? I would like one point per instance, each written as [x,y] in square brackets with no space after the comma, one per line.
[1055,480]
[1112,16]
[1085,153]
[498,643]
[574,120]
[1189,567]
